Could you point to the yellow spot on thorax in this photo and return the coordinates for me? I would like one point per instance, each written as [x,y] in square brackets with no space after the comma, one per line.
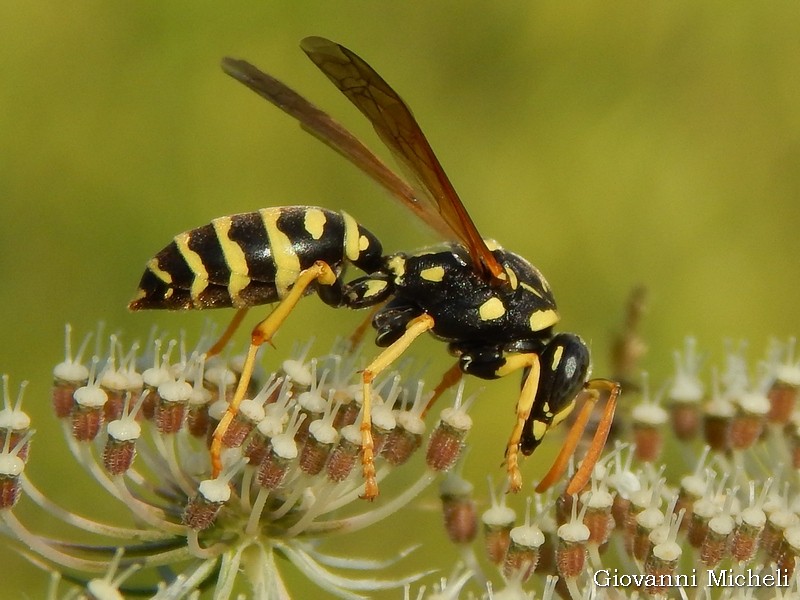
[542,319]
[491,309]
[434,274]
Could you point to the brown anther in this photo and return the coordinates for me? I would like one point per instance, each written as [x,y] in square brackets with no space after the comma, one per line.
[745,540]
[403,440]
[258,449]
[86,422]
[447,440]
[202,510]
[522,556]
[772,536]
[118,455]
[600,524]
[790,550]
[571,550]
[570,558]
[61,397]
[169,416]
[659,573]
[148,410]
[348,413]
[272,471]
[782,399]
[238,430]
[716,430]
[686,419]
[10,491]
[498,520]
[563,507]
[344,455]
[198,423]
[620,510]
[715,546]
[458,509]
[648,442]
[748,423]
[112,409]
[314,455]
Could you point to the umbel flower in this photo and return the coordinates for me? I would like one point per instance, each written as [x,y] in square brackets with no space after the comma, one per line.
[697,498]
[141,426]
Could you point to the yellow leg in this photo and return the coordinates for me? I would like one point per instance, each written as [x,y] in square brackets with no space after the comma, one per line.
[524,405]
[584,473]
[262,333]
[415,328]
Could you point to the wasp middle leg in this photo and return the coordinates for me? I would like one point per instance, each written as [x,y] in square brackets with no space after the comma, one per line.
[321,273]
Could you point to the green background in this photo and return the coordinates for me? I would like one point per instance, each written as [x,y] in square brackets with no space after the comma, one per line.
[653,143]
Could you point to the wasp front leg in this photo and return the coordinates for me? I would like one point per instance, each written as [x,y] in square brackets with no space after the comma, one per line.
[525,404]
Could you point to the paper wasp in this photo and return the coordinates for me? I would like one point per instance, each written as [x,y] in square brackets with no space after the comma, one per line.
[493,308]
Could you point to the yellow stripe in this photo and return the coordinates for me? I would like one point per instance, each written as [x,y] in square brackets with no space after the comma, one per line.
[156,270]
[234,257]
[195,263]
[351,236]
[557,358]
[287,264]
[530,289]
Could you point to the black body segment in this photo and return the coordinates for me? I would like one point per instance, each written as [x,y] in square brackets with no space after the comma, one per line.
[469,312]
[565,364]
[252,258]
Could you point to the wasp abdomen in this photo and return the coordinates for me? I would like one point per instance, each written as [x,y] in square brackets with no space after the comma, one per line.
[251,258]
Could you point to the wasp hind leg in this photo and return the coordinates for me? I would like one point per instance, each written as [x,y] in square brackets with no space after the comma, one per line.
[322,274]
[415,328]
[226,336]
[581,477]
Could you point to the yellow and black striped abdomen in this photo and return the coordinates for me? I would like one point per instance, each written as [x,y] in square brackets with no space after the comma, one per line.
[250,258]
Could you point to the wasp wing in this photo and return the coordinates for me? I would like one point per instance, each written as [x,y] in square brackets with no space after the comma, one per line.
[397,128]
[325,128]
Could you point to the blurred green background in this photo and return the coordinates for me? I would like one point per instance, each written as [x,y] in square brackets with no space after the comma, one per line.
[653,143]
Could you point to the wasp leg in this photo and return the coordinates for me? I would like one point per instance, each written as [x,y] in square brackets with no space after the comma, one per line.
[416,327]
[321,273]
[451,377]
[524,406]
[228,333]
[584,473]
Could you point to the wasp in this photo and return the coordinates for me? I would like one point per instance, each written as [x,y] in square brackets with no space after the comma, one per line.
[493,308]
